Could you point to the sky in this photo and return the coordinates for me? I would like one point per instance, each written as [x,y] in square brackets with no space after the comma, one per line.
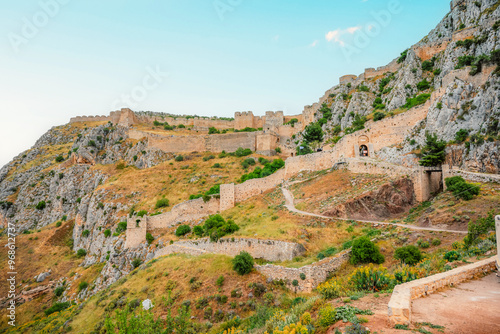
[66,58]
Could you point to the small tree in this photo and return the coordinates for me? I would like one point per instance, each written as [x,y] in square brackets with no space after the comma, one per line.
[41,205]
[433,152]
[410,255]
[243,263]
[161,203]
[313,132]
[461,135]
[365,251]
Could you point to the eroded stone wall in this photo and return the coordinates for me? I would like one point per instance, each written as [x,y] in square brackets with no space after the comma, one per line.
[184,212]
[269,250]
[315,273]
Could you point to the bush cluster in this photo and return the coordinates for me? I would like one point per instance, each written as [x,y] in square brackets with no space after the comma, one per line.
[460,188]
[243,263]
[365,251]
[216,227]
[269,168]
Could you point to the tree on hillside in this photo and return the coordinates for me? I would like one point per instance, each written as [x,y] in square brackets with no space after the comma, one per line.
[433,152]
[313,132]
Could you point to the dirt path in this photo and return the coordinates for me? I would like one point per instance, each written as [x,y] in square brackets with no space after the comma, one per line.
[291,207]
[471,307]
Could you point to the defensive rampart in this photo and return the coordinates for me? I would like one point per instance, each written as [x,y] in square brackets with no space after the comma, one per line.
[269,250]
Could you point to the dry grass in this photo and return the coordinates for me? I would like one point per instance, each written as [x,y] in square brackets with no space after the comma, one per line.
[180,269]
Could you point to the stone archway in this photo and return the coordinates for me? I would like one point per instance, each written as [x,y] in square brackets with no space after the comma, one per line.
[363,151]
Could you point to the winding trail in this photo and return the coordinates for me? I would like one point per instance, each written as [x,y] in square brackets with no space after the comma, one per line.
[291,207]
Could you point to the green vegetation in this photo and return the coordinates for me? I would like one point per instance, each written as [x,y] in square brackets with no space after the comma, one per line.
[81,252]
[149,238]
[162,203]
[292,122]
[269,168]
[59,158]
[107,233]
[41,205]
[423,85]
[179,158]
[365,251]
[415,101]
[357,124]
[182,230]
[461,135]
[410,255]
[85,233]
[57,307]
[216,227]
[213,130]
[433,153]
[377,116]
[241,152]
[313,132]
[243,263]
[461,189]
[247,129]
[403,56]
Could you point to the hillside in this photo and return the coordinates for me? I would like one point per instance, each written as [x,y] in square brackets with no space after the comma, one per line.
[111,211]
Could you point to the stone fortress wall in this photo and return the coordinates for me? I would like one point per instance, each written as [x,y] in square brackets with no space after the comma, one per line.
[315,273]
[269,250]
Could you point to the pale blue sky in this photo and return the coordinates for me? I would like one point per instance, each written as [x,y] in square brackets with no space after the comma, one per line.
[221,56]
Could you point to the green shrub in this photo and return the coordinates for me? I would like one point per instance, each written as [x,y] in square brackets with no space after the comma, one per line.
[464,61]
[240,152]
[378,116]
[162,203]
[142,213]
[326,253]
[85,233]
[371,278]
[136,263]
[81,252]
[243,263]
[107,233]
[182,230]
[179,158]
[149,238]
[220,281]
[213,130]
[461,135]
[57,307]
[451,256]
[198,230]
[327,316]
[122,226]
[59,291]
[423,85]
[82,286]
[460,188]
[410,255]
[427,65]
[415,101]
[59,158]
[436,242]
[269,169]
[278,150]
[41,205]
[365,251]
[58,224]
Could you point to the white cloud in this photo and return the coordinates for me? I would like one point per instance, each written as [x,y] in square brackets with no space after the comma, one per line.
[335,35]
[313,44]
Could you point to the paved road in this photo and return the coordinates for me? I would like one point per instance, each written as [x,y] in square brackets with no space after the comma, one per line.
[290,206]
